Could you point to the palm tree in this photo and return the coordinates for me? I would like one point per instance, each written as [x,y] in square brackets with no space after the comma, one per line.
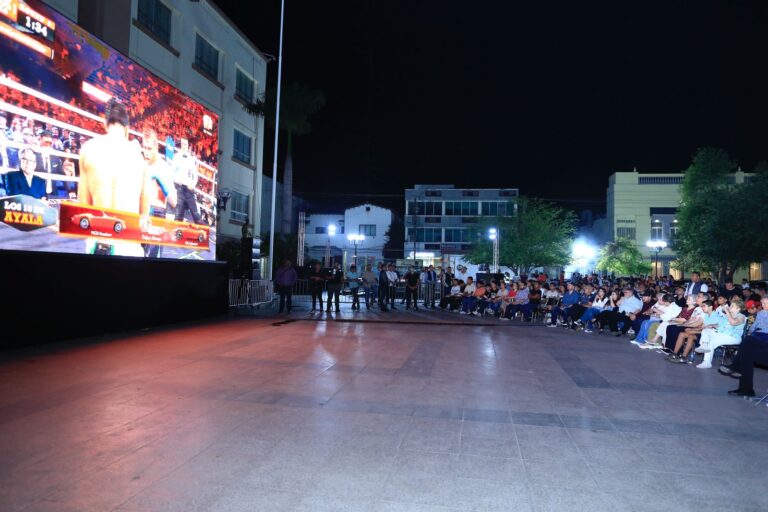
[298,104]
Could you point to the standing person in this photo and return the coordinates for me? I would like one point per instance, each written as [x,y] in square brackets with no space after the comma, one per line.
[353,281]
[696,286]
[383,287]
[335,282]
[447,279]
[316,284]
[430,282]
[159,190]
[392,279]
[185,176]
[369,285]
[112,172]
[411,288]
[285,279]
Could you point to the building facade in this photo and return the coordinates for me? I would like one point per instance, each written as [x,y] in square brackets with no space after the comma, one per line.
[194,46]
[371,221]
[442,222]
[643,207]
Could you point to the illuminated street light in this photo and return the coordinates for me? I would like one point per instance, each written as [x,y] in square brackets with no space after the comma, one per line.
[355,239]
[657,246]
[493,234]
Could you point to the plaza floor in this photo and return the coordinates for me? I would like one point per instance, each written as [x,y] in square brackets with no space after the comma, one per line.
[405,411]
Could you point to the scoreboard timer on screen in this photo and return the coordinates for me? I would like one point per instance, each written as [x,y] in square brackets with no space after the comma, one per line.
[71,184]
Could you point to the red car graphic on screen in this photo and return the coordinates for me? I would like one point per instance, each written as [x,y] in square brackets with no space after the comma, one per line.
[98,220]
[189,232]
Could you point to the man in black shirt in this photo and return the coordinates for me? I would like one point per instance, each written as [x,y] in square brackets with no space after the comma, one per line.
[335,281]
[316,284]
[383,287]
[411,288]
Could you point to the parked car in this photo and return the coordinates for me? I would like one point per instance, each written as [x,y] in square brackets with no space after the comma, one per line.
[98,220]
[189,232]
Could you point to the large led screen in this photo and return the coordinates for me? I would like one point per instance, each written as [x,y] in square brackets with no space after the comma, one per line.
[98,155]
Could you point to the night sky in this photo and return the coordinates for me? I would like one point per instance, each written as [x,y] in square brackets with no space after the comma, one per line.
[548,97]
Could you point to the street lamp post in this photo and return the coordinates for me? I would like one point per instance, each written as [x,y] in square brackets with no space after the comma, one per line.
[657,246]
[331,232]
[355,239]
[493,234]
[277,136]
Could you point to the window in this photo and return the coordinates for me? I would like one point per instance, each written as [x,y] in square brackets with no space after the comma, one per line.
[425,234]
[657,232]
[206,57]
[673,231]
[433,193]
[243,86]
[470,193]
[320,230]
[242,147]
[490,208]
[433,208]
[508,193]
[659,180]
[239,204]
[457,235]
[367,229]
[425,208]
[461,208]
[155,16]
[626,233]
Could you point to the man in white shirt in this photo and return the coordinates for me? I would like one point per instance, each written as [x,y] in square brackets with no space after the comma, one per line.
[392,278]
[628,305]
[185,176]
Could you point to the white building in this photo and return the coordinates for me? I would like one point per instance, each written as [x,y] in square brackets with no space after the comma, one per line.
[643,207]
[368,220]
[194,46]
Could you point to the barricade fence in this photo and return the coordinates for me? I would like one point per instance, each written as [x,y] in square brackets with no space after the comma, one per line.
[244,292]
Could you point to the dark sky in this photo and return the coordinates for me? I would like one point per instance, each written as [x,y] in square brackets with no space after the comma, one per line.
[549,97]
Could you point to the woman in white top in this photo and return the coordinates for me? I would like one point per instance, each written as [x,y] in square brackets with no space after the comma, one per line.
[597,306]
[721,330]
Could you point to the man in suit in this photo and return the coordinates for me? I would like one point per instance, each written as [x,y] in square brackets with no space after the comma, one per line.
[23,181]
[47,163]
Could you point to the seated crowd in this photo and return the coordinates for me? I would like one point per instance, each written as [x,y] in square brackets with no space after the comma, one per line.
[681,320]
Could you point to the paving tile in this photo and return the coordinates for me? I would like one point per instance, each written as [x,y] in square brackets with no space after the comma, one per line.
[349,416]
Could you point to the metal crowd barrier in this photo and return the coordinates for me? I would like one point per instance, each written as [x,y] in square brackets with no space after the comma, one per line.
[427,291]
[245,292]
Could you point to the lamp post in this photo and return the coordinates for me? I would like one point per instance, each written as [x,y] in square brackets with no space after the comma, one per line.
[331,232]
[493,234]
[277,136]
[657,246]
[355,239]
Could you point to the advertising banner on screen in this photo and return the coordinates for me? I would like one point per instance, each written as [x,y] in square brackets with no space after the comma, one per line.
[97,154]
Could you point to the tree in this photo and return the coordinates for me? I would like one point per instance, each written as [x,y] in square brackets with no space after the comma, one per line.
[286,248]
[622,258]
[395,238]
[538,235]
[297,104]
[712,235]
